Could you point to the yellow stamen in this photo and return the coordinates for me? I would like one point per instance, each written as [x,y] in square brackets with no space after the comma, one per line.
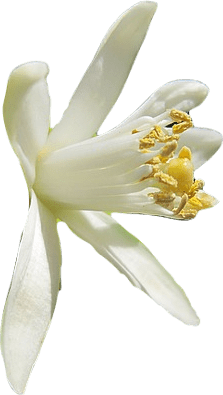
[182,119]
[188,213]
[163,197]
[197,185]
[169,148]
[174,175]
[156,135]
[195,202]
[166,179]
[154,161]
[146,142]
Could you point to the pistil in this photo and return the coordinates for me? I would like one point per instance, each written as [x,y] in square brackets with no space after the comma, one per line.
[174,177]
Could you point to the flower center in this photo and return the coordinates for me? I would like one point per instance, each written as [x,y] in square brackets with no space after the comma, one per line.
[174,177]
[182,170]
[139,167]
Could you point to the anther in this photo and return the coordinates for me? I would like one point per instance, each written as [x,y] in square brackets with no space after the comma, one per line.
[169,148]
[163,197]
[182,204]
[196,203]
[166,179]
[196,186]
[146,142]
[179,116]
[188,214]
[182,119]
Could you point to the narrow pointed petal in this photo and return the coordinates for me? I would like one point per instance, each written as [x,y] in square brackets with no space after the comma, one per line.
[202,142]
[105,78]
[181,94]
[32,295]
[132,258]
[26,113]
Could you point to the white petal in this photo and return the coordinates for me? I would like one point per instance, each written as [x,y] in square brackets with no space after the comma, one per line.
[104,79]
[26,113]
[181,94]
[100,174]
[202,142]
[32,295]
[132,258]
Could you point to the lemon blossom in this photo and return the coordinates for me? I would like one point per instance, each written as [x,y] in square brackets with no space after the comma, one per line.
[144,165]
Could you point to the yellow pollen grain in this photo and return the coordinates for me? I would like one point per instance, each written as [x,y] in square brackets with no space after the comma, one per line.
[162,197]
[179,116]
[154,161]
[206,200]
[158,134]
[182,119]
[146,142]
[135,131]
[166,179]
[195,202]
[197,185]
[188,213]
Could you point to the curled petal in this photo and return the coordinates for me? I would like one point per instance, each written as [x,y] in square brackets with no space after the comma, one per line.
[181,94]
[203,144]
[132,258]
[26,113]
[105,77]
[32,296]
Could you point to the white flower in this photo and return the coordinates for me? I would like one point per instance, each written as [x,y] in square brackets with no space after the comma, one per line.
[145,165]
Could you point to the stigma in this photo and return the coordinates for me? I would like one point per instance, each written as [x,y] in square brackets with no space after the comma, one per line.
[182,170]
[173,176]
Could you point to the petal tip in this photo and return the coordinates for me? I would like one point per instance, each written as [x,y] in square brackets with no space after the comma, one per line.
[191,319]
[146,6]
[31,71]
[194,321]
[203,89]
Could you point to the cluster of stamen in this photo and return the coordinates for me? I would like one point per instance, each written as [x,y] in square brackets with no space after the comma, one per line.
[174,177]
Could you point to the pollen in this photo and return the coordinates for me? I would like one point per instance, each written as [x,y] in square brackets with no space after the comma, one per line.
[163,197]
[173,176]
[166,179]
[197,185]
[157,135]
[182,119]
[146,142]
[169,148]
